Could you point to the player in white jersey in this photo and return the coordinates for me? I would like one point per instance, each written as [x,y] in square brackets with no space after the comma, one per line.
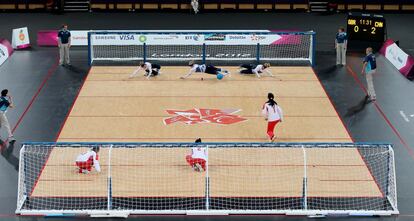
[202,68]
[150,69]
[255,69]
[86,160]
[197,158]
[273,114]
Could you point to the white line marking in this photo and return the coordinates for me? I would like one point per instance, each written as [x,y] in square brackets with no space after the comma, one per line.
[404,116]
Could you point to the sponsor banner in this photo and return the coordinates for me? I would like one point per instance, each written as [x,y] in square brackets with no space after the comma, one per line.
[20,38]
[171,39]
[117,39]
[185,39]
[5,50]
[401,60]
[49,38]
[80,38]
[240,39]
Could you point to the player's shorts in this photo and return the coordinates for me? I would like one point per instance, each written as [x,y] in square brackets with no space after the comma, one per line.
[210,69]
[192,161]
[248,68]
[87,165]
[156,66]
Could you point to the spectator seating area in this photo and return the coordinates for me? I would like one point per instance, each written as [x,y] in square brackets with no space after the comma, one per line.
[25,4]
[204,4]
[343,5]
[208,5]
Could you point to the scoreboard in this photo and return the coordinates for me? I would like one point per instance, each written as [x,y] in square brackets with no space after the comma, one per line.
[366,27]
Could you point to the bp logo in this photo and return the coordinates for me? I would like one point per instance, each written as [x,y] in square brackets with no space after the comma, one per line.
[142,38]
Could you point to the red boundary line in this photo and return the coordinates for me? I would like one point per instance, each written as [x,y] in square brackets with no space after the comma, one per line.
[44,165]
[362,87]
[370,173]
[135,116]
[193,79]
[49,74]
[379,110]
[222,165]
[347,180]
[193,96]
[273,197]
[73,104]
[349,134]
[217,138]
[333,106]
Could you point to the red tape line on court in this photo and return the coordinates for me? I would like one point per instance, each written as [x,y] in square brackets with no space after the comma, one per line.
[379,110]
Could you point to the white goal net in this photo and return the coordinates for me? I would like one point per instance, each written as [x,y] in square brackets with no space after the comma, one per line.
[234,178]
[208,47]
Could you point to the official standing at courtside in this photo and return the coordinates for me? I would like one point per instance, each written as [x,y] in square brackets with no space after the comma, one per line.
[64,42]
[369,67]
[5,103]
[341,41]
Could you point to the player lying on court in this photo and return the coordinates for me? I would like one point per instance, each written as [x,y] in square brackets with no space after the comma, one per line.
[197,158]
[255,69]
[150,69]
[86,160]
[208,69]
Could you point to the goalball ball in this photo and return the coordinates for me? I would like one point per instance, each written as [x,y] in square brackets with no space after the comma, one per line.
[220,76]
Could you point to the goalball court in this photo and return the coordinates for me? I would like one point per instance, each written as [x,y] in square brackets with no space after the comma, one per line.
[113,108]
[155,178]
[312,169]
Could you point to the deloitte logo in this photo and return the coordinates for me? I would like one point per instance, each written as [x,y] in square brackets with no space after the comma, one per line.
[142,38]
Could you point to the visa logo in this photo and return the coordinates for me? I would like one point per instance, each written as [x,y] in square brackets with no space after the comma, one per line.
[126,37]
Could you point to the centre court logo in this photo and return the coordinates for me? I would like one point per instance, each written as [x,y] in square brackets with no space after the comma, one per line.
[204,116]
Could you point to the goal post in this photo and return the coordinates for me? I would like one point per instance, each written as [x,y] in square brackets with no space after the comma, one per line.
[355,179]
[225,48]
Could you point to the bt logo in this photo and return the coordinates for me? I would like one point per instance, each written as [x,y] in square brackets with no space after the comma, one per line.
[194,37]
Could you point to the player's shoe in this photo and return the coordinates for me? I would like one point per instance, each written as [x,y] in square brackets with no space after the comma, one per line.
[199,167]
[85,171]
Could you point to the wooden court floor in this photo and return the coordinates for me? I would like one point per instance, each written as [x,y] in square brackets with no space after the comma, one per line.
[113,108]
[241,172]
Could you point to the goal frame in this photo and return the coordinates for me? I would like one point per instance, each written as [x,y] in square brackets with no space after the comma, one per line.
[391,189]
[203,56]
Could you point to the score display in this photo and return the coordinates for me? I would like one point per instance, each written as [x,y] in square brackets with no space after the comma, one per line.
[366,27]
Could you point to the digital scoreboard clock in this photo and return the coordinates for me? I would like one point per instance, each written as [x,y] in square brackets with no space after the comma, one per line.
[366,27]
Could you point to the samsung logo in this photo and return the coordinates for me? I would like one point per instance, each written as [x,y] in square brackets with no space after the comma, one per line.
[105,37]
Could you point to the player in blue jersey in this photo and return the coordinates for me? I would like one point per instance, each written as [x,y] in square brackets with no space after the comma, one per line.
[202,68]
[369,68]
[341,41]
